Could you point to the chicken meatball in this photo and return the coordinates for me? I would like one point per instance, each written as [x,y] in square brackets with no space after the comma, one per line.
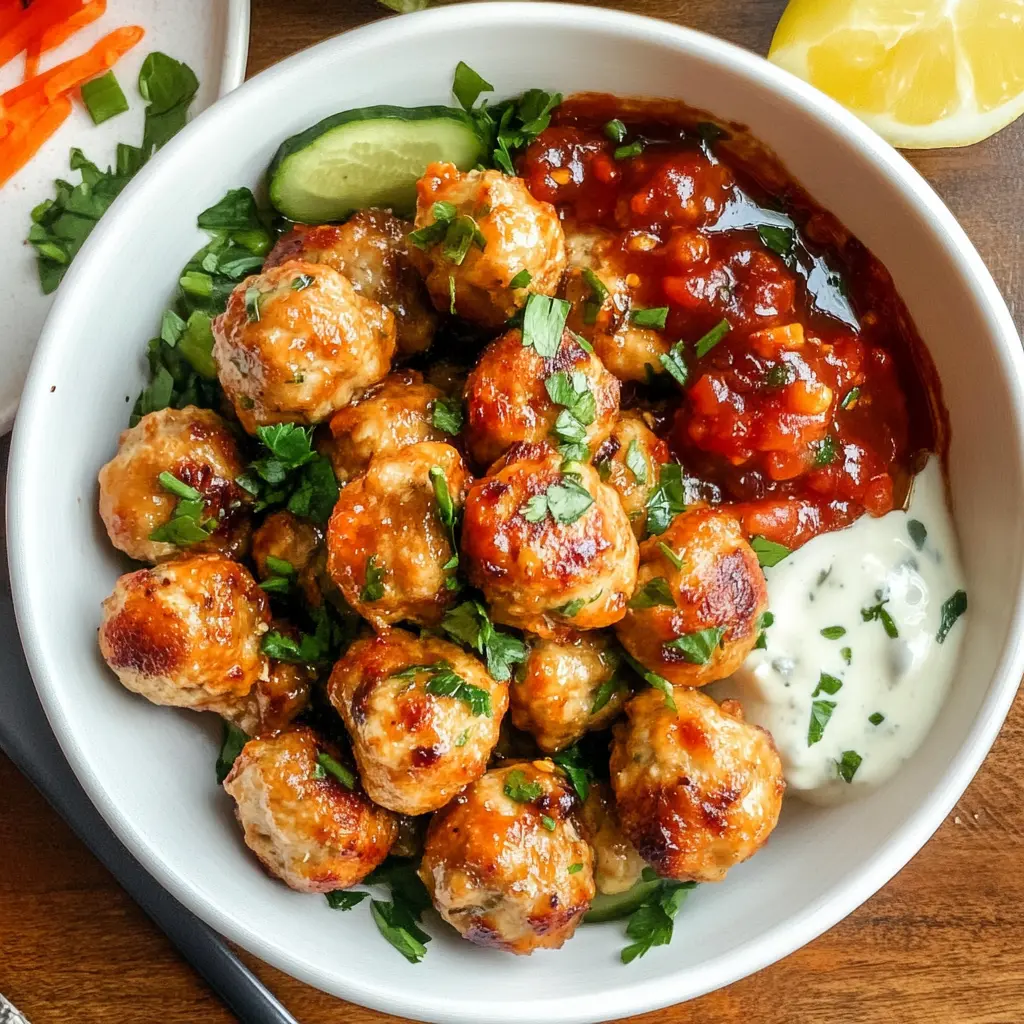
[297,342]
[284,537]
[308,828]
[423,716]
[370,249]
[394,413]
[697,789]
[549,549]
[515,394]
[197,448]
[630,460]
[506,862]
[699,600]
[617,865]
[602,298]
[487,232]
[272,703]
[566,687]
[389,546]
[186,633]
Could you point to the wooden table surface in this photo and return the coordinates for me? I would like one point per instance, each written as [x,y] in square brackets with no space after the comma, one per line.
[942,943]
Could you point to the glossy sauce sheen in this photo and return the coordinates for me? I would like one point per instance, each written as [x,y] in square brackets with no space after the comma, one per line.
[820,401]
[903,679]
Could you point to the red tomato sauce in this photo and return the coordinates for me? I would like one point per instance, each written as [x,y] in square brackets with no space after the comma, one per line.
[819,401]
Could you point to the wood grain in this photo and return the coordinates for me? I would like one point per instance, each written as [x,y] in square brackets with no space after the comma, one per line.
[942,943]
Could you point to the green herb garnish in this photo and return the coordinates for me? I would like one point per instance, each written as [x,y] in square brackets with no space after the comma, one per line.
[103,98]
[827,684]
[833,632]
[712,338]
[877,718]
[652,679]
[654,593]
[519,789]
[565,502]
[577,771]
[344,899]
[675,364]
[373,587]
[521,280]
[847,766]
[697,648]
[918,533]
[651,923]
[634,148]
[821,712]
[335,769]
[667,499]
[543,324]
[614,130]
[768,552]
[231,746]
[878,612]
[952,608]
[654,317]
[469,624]
[447,415]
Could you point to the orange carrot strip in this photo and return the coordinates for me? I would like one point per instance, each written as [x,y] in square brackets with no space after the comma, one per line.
[32,55]
[34,22]
[10,12]
[60,79]
[57,34]
[19,147]
[28,110]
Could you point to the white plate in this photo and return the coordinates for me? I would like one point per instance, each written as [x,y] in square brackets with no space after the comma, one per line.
[211,36]
[150,770]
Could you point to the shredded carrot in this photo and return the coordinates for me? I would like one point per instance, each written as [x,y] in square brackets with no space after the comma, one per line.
[30,109]
[23,143]
[57,34]
[64,77]
[32,25]
[32,55]
[10,12]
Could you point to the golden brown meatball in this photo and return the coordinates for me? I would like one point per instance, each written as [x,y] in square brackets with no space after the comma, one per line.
[396,412]
[514,233]
[602,297]
[197,448]
[549,549]
[630,461]
[297,342]
[387,544]
[423,716]
[506,863]
[298,542]
[308,828]
[272,703]
[186,633]
[697,789]
[515,394]
[566,687]
[370,249]
[695,623]
[617,865]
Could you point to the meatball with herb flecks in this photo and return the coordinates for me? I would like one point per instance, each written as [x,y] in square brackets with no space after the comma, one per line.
[168,458]
[699,599]
[515,394]
[423,716]
[482,243]
[567,686]
[186,633]
[506,862]
[617,865]
[390,548]
[297,342]
[304,813]
[289,549]
[548,544]
[402,409]
[697,789]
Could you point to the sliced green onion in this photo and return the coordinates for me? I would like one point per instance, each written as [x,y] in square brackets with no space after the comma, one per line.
[104,98]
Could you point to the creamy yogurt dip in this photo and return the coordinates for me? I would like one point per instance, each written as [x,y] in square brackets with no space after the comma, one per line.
[868,623]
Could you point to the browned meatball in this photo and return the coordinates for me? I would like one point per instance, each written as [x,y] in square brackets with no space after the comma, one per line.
[308,828]
[549,549]
[297,342]
[697,789]
[506,862]
[514,233]
[602,297]
[694,623]
[566,687]
[272,703]
[197,448]
[394,413]
[617,865]
[287,538]
[186,633]
[630,461]
[370,249]
[515,394]
[423,716]
[387,543]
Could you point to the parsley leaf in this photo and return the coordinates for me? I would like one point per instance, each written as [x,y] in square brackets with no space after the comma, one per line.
[697,648]
[579,773]
[344,899]
[827,684]
[400,926]
[604,693]
[543,323]
[654,592]
[469,624]
[675,364]
[654,317]
[878,612]
[877,718]
[768,552]
[952,608]
[231,746]
[676,561]
[329,766]
[847,766]
[468,85]
[565,501]
[918,533]
[445,682]
[519,789]
[833,632]
[373,586]
[667,499]
[652,679]
[447,415]
[188,523]
[651,923]
[821,712]
[635,462]
[712,338]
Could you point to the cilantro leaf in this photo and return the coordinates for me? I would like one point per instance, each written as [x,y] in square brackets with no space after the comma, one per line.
[345,899]
[651,924]
[468,85]
[667,499]
[652,679]
[821,712]
[469,624]
[544,323]
[573,763]
[653,593]
[848,764]
[447,415]
[635,462]
[768,552]
[327,765]
[697,648]
[675,364]
[231,746]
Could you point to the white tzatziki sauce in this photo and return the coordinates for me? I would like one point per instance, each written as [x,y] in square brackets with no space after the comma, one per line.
[845,701]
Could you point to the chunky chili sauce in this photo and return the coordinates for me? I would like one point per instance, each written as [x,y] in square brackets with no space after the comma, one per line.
[819,399]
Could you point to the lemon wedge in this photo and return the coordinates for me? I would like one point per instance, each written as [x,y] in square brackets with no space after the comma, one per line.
[922,73]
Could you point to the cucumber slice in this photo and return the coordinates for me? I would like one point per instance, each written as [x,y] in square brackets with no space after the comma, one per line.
[621,904]
[372,156]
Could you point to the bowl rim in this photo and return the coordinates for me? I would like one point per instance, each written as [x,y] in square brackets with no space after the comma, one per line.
[629,998]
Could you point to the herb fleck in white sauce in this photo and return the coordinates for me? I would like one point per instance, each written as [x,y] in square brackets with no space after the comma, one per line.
[828,583]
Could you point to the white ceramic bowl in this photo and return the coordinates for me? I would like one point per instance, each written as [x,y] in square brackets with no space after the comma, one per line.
[150,771]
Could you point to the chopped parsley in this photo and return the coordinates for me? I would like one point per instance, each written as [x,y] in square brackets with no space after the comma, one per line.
[469,624]
[635,462]
[446,415]
[821,712]
[667,499]
[446,682]
[373,586]
[676,561]
[468,85]
[572,392]
[565,501]
[697,648]
[604,693]
[548,822]
[846,653]
[189,523]
[848,764]
[615,130]
[878,612]
[252,304]
[103,98]
[877,718]
[653,593]
[850,398]
[651,923]
[344,899]
[825,451]
[654,317]
[518,788]
[652,679]
[576,769]
[521,280]
[768,552]
[827,684]
[634,148]
[952,608]
[712,338]
[918,533]
[780,240]
[767,618]
[543,323]
[675,364]
[231,746]
[598,295]
[398,919]
[327,765]
[833,632]
[572,608]
[573,868]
